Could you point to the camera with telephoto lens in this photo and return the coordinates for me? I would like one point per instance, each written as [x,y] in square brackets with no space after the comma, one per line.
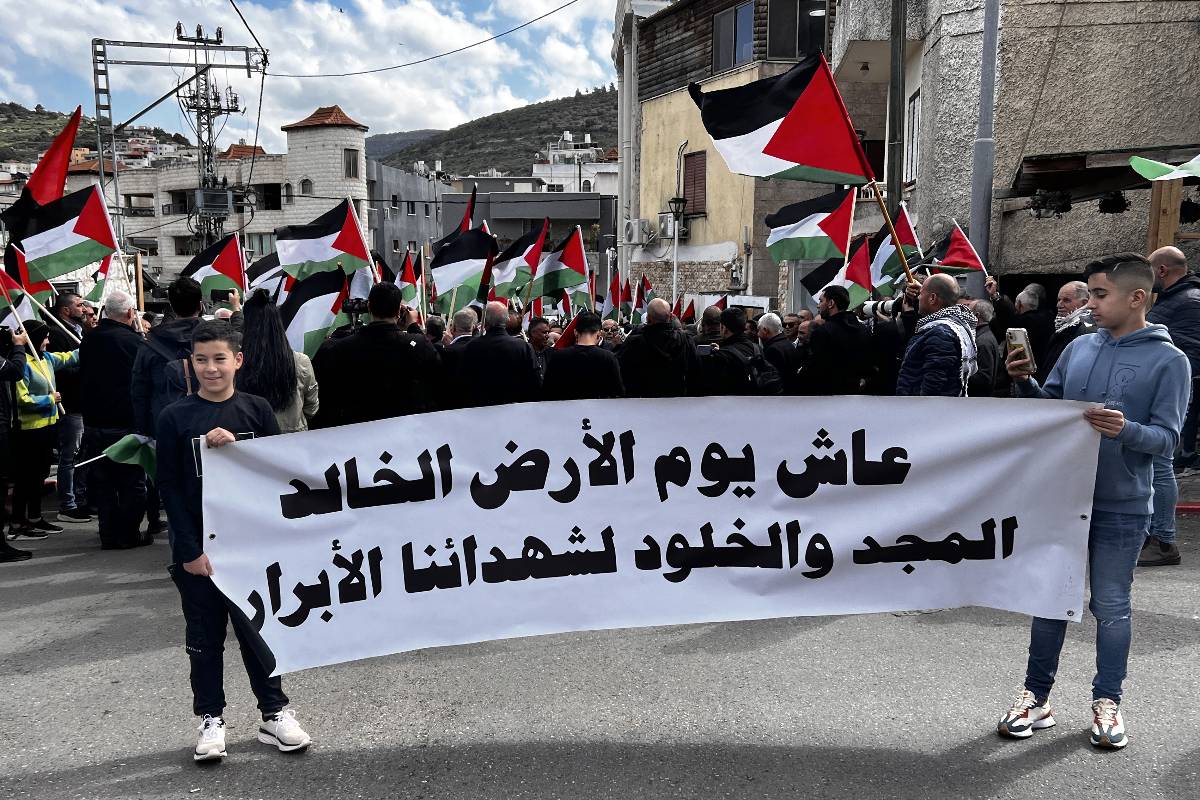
[885,307]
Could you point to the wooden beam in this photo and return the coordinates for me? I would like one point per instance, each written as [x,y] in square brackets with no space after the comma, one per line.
[1165,197]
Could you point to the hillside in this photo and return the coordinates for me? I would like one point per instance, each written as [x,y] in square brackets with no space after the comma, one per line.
[24,132]
[382,145]
[509,140]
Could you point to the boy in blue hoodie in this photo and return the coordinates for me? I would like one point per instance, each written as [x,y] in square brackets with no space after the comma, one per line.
[1143,382]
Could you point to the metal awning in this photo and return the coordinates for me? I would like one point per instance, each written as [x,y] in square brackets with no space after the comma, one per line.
[1091,174]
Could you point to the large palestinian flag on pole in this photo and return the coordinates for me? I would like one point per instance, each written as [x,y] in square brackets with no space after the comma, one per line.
[565,267]
[853,272]
[220,266]
[459,265]
[67,234]
[266,274]
[312,309]
[514,267]
[792,126]
[45,184]
[955,254]
[331,240]
[812,230]
[16,268]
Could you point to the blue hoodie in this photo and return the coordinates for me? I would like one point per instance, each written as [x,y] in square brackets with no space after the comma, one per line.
[1147,379]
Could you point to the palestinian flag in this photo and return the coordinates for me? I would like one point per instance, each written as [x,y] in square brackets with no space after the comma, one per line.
[220,266]
[677,311]
[822,275]
[16,308]
[46,183]
[955,253]
[689,316]
[67,234]
[134,449]
[485,290]
[565,267]
[792,126]
[331,240]
[312,309]
[515,267]
[723,303]
[645,294]
[96,295]
[886,266]
[463,227]
[612,300]
[812,230]
[459,265]
[626,300]
[857,275]
[568,335]
[1158,171]
[585,296]
[16,268]
[382,268]
[266,274]
[412,280]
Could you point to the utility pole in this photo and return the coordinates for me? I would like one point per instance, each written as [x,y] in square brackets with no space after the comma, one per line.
[983,161]
[896,103]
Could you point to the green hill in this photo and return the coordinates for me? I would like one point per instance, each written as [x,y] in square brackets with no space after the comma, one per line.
[382,145]
[508,141]
[25,133]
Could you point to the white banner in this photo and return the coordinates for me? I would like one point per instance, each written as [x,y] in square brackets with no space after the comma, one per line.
[464,526]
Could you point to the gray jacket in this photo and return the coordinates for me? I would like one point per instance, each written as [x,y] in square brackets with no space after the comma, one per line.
[304,403]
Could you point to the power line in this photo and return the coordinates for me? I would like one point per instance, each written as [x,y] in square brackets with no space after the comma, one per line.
[428,58]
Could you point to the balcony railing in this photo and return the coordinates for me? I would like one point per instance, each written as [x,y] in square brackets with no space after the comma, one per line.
[173,209]
[137,211]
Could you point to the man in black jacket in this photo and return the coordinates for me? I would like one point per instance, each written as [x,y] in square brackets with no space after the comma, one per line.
[727,367]
[779,350]
[1072,321]
[69,310]
[499,367]
[106,360]
[659,360]
[583,370]
[838,348]
[990,357]
[941,355]
[379,371]
[12,369]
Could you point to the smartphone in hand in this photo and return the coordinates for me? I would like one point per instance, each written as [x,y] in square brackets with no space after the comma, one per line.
[1018,338]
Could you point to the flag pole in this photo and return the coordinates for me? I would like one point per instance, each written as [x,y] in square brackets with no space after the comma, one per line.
[891,229]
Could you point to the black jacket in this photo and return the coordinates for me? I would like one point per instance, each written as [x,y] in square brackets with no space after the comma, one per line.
[453,391]
[582,372]
[781,354]
[659,361]
[12,369]
[727,369]
[106,360]
[66,379]
[499,369]
[933,363]
[1058,343]
[839,357]
[991,363]
[375,373]
[1178,307]
[150,390]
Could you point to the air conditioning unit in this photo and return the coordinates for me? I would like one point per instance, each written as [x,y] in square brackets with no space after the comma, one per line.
[635,231]
[666,227]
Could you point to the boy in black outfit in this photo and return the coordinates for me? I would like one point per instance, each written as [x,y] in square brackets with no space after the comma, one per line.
[213,417]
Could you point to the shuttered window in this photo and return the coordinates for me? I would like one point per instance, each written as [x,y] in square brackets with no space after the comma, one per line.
[694,182]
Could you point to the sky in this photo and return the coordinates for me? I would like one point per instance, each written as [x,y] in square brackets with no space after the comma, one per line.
[47,57]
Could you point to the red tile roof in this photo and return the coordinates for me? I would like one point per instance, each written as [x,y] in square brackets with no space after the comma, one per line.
[326,116]
[91,167]
[243,151]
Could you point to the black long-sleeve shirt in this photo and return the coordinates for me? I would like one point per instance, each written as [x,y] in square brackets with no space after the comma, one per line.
[178,426]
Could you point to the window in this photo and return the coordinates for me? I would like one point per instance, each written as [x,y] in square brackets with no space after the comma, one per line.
[306,186]
[395,201]
[288,197]
[795,28]
[912,151]
[262,244]
[270,197]
[694,182]
[412,245]
[350,157]
[395,245]
[147,246]
[587,186]
[411,208]
[427,211]
[186,246]
[554,187]
[733,37]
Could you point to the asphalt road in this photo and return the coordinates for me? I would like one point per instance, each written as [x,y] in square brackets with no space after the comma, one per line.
[96,704]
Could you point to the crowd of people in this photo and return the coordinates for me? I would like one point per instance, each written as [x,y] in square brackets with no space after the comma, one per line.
[78,386]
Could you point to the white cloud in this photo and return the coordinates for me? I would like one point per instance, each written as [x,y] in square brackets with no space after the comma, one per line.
[548,59]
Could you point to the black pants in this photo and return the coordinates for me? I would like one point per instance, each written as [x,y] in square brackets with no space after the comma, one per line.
[153,506]
[118,491]
[207,614]
[31,464]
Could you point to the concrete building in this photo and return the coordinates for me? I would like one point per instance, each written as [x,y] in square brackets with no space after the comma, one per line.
[1080,88]
[576,164]
[325,163]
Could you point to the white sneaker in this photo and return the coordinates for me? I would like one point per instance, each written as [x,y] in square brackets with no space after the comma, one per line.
[1025,717]
[212,739]
[1108,727]
[284,732]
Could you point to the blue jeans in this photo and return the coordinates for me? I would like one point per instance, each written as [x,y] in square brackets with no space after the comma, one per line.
[1166,495]
[70,434]
[1114,542]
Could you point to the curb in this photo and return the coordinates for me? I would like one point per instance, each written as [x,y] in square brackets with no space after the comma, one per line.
[1187,508]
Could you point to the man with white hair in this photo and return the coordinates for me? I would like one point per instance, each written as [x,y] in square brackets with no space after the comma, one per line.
[778,349]
[497,367]
[106,373]
[1073,320]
